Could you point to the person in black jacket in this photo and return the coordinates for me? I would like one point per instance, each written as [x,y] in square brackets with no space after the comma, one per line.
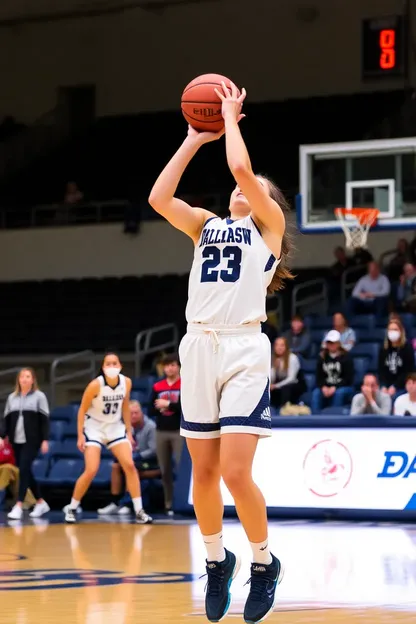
[334,375]
[165,407]
[26,424]
[396,360]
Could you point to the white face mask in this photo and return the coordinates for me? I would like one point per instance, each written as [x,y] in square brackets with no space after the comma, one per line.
[111,371]
[393,335]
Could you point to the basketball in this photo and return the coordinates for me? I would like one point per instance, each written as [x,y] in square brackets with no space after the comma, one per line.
[201,106]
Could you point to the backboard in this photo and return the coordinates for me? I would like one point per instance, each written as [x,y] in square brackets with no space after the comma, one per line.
[363,174]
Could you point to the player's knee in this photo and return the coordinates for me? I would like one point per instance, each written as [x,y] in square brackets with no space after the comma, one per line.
[236,478]
[90,472]
[205,475]
[129,467]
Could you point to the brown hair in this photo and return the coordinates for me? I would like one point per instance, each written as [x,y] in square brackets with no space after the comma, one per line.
[35,386]
[170,358]
[282,273]
[398,322]
[411,377]
[344,318]
[286,355]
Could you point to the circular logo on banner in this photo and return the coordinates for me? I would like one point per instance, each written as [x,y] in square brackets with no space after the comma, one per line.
[327,468]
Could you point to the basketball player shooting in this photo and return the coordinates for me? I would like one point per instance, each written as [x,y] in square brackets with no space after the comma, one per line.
[225,357]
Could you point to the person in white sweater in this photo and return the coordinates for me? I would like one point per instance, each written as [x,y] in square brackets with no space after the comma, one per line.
[405,405]
[286,376]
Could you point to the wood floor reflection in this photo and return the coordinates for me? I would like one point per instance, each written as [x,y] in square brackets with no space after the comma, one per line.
[120,573]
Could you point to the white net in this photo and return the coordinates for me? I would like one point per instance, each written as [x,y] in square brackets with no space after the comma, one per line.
[356,224]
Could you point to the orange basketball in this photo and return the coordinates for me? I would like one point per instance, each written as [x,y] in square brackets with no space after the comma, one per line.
[201,106]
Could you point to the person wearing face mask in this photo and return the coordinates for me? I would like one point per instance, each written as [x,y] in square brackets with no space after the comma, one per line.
[334,375]
[396,360]
[104,419]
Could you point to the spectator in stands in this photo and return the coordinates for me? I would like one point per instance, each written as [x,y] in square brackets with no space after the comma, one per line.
[395,267]
[348,338]
[165,407]
[405,405]
[144,456]
[370,294]
[406,291]
[287,379]
[342,263]
[396,360]
[73,195]
[298,337]
[371,400]
[26,424]
[9,476]
[361,257]
[334,375]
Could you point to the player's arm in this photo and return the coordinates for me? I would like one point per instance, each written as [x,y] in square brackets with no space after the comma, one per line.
[126,406]
[89,395]
[162,196]
[266,212]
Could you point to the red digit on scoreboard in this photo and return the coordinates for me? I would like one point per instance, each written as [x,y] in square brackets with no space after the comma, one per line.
[387,43]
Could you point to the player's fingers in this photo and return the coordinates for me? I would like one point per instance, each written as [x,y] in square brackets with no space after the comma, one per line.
[234,90]
[225,89]
[220,95]
[242,96]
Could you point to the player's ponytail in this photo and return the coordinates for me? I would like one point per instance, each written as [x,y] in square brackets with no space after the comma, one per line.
[282,272]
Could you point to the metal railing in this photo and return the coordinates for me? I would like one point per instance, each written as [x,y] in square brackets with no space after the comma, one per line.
[5,393]
[311,297]
[56,379]
[347,284]
[144,346]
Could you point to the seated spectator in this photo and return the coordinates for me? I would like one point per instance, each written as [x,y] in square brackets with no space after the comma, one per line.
[406,291]
[144,456]
[9,477]
[405,405]
[396,360]
[348,338]
[287,379]
[371,400]
[298,337]
[334,375]
[370,294]
[395,267]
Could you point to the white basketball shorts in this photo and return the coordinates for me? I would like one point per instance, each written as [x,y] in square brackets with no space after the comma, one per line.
[225,385]
[100,434]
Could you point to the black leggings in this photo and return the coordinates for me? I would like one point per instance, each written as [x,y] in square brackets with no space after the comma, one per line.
[25,454]
[290,393]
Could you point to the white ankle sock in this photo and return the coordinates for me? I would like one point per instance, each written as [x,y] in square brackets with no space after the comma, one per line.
[214,546]
[137,504]
[74,504]
[261,552]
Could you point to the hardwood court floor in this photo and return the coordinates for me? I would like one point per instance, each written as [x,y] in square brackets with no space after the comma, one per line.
[120,573]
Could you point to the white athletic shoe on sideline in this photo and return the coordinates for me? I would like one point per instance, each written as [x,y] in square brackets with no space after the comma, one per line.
[39,510]
[65,509]
[111,509]
[124,511]
[143,518]
[16,513]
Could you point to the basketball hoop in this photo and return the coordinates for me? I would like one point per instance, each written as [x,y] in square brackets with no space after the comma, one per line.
[356,223]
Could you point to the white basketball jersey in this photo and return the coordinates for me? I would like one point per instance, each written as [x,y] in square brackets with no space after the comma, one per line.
[231,271]
[107,406]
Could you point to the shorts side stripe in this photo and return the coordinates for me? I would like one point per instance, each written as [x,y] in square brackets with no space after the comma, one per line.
[199,427]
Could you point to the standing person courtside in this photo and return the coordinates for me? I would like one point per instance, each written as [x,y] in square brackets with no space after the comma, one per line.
[165,407]
[26,424]
[225,358]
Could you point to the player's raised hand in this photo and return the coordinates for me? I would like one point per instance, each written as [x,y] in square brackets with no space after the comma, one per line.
[232,101]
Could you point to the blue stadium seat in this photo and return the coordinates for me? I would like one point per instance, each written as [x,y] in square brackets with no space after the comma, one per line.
[324,323]
[310,381]
[360,368]
[56,430]
[368,350]
[143,383]
[376,334]
[308,365]
[39,468]
[65,472]
[54,448]
[69,449]
[140,396]
[362,321]
[317,335]
[335,411]
[68,412]
[103,476]
[71,428]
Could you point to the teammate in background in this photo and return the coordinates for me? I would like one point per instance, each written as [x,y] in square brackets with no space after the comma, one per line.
[224,356]
[104,419]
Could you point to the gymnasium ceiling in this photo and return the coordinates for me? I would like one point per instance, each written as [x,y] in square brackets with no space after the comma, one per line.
[14,12]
